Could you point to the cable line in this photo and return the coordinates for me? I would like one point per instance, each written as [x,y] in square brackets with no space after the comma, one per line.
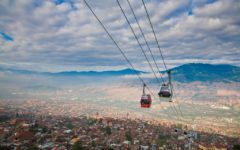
[176,99]
[149,49]
[154,34]
[160,51]
[121,51]
[129,4]
[172,106]
[138,41]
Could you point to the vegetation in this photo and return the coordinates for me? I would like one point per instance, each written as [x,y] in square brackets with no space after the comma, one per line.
[236,147]
[162,140]
[92,121]
[33,147]
[44,129]
[108,130]
[94,144]
[77,146]
[4,118]
[128,136]
[70,125]
[178,126]
[34,128]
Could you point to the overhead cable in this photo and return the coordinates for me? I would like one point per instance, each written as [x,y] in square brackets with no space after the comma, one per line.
[120,50]
[137,40]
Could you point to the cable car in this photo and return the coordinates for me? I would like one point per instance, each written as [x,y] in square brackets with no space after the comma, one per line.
[166,89]
[146,99]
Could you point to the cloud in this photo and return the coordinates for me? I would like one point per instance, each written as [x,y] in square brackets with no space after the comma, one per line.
[57,35]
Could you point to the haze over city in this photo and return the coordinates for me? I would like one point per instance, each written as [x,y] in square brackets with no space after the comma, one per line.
[119,74]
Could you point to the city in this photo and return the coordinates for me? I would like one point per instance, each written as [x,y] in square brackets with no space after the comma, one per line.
[25,125]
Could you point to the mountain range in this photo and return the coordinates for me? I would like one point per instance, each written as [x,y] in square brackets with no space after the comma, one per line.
[184,73]
[206,73]
[76,73]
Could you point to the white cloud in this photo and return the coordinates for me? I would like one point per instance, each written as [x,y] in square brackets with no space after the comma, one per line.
[60,37]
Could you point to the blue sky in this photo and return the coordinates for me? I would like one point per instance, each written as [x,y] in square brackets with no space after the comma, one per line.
[6,37]
[60,35]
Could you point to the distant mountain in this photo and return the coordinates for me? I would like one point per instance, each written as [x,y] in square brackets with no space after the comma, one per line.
[206,73]
[75,73]
[185,73]
[16,71]
[101,73]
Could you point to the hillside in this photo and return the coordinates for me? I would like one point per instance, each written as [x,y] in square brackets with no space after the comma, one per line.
[185,73]
[206,73]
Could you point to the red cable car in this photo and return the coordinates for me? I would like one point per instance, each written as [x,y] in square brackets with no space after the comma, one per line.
[146,99]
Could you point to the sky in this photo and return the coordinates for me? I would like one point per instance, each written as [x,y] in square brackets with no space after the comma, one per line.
[63,35]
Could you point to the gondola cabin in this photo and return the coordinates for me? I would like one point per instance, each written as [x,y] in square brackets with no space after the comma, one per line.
[165,91]
[146,99]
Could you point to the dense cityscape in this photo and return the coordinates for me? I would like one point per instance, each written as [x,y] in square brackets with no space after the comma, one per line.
[25,125]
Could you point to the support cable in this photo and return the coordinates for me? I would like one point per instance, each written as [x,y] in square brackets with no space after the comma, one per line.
[138,41]
[121,51]
[160,51]
[154,34]
[129,4]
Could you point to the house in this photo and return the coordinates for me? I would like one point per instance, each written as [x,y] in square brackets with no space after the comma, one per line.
[74,140]
[23,136]
[210,147]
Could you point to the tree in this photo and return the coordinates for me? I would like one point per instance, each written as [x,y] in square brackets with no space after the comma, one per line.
[92,121]
[94,144]
[128,136]
[77,146]
[33,147]
[44,129]
[108,130]
[34,128]
[70,125]
[236,147]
